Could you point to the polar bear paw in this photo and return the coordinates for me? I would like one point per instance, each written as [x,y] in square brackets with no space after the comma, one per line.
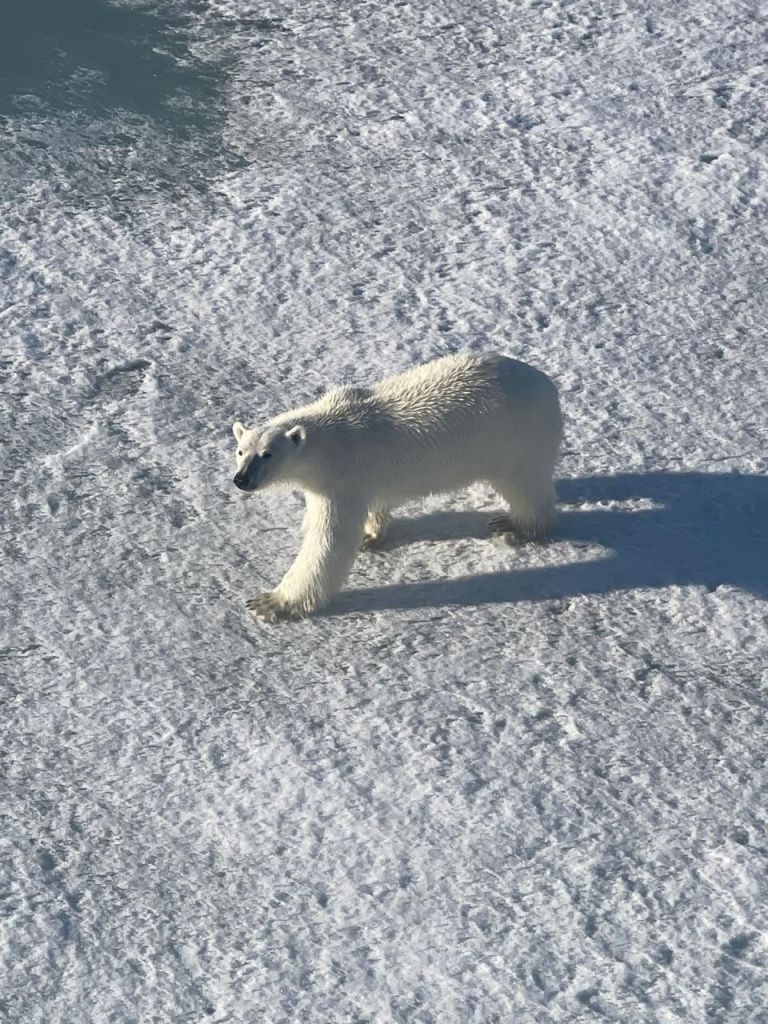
[372,542]
[270,607]
[505,530]
[375,530]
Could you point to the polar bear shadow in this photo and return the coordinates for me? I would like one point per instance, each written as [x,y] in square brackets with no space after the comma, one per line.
[443,525]
[675,529]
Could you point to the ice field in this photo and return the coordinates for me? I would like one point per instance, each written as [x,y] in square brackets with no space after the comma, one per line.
[488,785]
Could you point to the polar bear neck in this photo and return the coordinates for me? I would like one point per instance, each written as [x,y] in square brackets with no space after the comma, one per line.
[341,406]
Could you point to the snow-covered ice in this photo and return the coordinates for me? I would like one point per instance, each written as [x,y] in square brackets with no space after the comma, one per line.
[487,784]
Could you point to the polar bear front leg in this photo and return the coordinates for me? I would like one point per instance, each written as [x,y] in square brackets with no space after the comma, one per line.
[333,530]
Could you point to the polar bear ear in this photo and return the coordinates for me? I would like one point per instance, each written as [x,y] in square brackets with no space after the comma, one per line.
[296,434]
[238,429]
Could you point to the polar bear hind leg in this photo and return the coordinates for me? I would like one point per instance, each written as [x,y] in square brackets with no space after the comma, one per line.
[375,529]
[531,501]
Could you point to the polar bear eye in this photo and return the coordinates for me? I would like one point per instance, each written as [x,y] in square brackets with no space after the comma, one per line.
[240,452]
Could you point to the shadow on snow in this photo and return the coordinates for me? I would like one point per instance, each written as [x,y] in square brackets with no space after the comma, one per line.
[708,529]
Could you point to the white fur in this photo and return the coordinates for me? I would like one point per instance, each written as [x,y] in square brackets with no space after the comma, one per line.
[359,452]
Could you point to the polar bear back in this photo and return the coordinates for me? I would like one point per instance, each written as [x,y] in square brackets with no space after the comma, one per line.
[448,423]
[454,386]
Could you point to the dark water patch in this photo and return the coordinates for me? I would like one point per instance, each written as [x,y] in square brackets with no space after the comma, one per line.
[93,56]
[98,97]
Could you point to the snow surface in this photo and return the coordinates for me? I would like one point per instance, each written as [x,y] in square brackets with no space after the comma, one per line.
[488,785]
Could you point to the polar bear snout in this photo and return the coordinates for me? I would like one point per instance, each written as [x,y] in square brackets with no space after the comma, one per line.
[246,479]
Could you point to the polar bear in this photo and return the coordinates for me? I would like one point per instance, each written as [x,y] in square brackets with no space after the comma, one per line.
[356,453]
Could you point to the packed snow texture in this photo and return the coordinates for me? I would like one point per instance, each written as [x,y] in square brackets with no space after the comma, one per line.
[488,784]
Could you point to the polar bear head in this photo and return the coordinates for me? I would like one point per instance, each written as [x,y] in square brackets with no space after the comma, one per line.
[270,457]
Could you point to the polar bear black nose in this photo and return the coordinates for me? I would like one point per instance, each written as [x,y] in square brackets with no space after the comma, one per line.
[239,481]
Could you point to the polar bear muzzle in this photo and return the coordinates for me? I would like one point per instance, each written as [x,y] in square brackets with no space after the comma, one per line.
[247,479]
